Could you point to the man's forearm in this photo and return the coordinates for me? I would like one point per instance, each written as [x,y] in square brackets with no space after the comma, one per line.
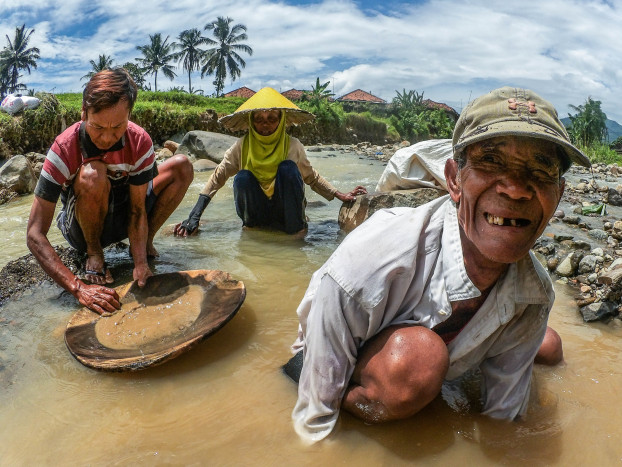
[137,232]
[50,262]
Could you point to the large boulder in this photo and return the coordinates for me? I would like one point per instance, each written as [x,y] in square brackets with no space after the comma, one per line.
[206,145]
[18,175]
[352,214]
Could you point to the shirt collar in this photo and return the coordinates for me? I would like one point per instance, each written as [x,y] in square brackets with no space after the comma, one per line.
[457,282]
[88,148]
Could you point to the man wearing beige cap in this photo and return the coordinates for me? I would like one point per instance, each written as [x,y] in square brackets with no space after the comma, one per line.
[451,286]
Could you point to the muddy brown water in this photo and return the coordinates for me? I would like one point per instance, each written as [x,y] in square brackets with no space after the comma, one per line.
[226,402]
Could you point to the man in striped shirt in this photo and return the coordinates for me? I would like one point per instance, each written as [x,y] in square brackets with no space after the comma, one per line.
[103,169]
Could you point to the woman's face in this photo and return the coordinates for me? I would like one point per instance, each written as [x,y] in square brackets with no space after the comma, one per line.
[266,122]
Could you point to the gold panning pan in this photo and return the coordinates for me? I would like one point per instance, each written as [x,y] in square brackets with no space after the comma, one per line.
[168,316]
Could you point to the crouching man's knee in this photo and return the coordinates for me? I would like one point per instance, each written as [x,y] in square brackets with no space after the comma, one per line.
[398,373]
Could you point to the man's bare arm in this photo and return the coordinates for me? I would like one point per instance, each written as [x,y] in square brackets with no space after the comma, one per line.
[137,232]
[96,297]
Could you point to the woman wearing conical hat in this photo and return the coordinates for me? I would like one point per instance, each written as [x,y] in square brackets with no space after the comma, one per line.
[270,168]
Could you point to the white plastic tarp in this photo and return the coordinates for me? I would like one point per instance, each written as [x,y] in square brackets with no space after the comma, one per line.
[421,165]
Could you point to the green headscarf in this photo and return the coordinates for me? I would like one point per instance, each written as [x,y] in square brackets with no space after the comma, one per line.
[263,154]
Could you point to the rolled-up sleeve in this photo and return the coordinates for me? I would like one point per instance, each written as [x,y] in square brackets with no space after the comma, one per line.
[336,326]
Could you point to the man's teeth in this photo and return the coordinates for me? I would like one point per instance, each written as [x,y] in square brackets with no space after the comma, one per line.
[498,220]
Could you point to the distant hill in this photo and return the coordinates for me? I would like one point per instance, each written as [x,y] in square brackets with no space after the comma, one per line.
[613,127]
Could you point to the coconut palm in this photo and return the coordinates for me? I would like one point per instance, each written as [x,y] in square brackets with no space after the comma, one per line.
[156,57]
[137,74]
[589,125]
[319,94]
[224,57]
[5,80]
[18,56]
[103,63]
[190,52]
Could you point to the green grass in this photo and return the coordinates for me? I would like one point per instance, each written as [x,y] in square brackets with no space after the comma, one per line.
[167,100]
[602,154]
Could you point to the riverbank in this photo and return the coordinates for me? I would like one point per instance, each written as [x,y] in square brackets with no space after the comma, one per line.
[580,247]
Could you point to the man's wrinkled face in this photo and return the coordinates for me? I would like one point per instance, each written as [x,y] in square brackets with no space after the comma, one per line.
[507,191]
[107,126]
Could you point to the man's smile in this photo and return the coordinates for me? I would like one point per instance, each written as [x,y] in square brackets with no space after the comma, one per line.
[506,221]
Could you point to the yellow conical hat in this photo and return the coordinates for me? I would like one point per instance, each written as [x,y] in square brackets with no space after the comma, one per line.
[266,99]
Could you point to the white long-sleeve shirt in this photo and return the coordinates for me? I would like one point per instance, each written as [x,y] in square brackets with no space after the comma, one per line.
[403,266]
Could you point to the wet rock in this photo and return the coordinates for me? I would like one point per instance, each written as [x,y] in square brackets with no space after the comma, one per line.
[18,175]
[560,214]
[598,234]
[612,276]
[316,204]
[202,165]
[552,263]
[569,265]
[598,252]
[353,213]
[587,264]
[206,145]
[163,154]
[614,197]
[571,219]
[171,146]
[598,311]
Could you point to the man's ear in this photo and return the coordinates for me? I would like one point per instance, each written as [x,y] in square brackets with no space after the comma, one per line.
[452,177]
[83,115]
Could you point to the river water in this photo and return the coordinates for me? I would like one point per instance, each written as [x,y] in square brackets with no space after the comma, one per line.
[226,401]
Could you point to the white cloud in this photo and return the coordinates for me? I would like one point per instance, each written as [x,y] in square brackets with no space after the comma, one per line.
[566,50]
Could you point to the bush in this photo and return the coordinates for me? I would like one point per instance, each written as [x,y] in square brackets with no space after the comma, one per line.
[164,114]
[600,153]
[375,131]
[34,130]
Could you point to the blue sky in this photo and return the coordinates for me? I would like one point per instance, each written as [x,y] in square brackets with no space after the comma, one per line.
[452,51]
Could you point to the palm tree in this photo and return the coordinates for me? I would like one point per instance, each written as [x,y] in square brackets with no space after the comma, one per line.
[225,56]
[18,56]
[189,51]
[318,94]
[156,57]
[5,80]
[103,63]
[137,74]
[589,125]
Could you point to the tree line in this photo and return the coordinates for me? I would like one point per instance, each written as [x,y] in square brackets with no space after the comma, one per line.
[192,51]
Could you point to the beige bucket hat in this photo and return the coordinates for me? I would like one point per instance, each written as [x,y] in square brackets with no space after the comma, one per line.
[512,111]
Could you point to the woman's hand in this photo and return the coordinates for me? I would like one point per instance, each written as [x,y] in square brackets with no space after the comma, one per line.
[359,190]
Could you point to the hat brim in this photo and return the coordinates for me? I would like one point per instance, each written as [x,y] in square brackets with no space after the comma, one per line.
[238,121]
[527,129]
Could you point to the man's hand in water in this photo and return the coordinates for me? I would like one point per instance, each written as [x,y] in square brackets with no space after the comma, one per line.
[97,298]
[141,273]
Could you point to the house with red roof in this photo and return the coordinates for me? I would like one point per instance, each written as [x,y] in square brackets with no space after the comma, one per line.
[430,104]
[241,92]
[293,94]
[361,96]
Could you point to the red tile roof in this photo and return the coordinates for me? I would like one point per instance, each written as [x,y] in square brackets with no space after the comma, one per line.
[241,92]
[430,104]
[293,94]
[361,96]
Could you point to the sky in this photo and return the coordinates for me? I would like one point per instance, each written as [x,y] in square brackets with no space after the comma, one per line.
[451,51]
